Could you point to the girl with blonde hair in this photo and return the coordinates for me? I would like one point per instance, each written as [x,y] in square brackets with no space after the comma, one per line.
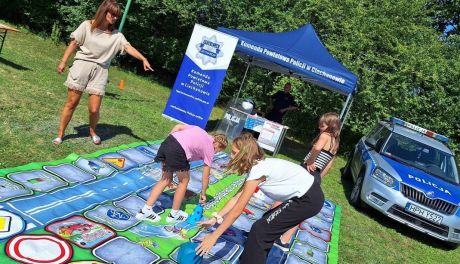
[280,180]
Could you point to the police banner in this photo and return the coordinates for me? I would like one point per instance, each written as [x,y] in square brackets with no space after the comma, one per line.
[200,77]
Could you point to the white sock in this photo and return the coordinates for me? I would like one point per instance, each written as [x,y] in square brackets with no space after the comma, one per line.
[282,241]
[147,209]
[174,212]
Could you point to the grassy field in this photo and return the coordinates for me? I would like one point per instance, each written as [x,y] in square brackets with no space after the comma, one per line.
[32,96]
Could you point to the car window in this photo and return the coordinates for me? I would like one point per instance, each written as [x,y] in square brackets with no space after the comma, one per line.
[379,136]
[421,156]
[451,168]
[374,132]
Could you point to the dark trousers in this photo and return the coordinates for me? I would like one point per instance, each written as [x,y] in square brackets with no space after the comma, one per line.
[277,221]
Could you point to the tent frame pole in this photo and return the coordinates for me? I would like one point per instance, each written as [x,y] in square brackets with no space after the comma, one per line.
[242,82]
[346,109]
[125,14]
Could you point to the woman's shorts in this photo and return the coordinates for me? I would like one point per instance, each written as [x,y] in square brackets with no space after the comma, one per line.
[87,76]
[172,155]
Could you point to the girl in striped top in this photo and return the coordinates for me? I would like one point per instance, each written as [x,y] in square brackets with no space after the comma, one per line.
[319,160]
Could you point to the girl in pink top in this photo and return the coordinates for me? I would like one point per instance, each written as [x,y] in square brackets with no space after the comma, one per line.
[184,144]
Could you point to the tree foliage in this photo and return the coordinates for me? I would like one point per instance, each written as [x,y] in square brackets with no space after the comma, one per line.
[407,66]
[446,16]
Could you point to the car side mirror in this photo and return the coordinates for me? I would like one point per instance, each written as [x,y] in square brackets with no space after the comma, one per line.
[370,143]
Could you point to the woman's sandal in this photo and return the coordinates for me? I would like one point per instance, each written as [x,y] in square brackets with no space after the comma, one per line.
[96,140]
[57,141]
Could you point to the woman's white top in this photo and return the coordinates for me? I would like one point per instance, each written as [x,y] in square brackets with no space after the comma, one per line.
[284,179]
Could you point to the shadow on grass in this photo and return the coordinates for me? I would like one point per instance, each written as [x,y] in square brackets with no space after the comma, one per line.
[104,131]
[293,149]
[212,125]
[389,223]
[13,65]
[116,96]
[112,95]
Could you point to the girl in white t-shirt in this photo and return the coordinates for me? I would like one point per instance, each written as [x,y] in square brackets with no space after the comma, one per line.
[280,180]
[98,41]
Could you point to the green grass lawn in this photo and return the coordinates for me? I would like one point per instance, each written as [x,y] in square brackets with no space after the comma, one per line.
[32,96]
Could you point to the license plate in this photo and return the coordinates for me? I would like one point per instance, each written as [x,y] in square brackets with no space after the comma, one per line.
[424,213]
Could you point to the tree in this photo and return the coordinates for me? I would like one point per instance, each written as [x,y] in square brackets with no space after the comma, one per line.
[446,16]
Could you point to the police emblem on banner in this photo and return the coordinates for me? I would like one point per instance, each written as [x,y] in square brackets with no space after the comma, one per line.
[209,50]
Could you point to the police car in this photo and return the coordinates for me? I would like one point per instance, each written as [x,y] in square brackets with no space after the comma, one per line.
[409,174]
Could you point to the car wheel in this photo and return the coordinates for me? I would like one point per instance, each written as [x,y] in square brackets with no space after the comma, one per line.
[355,196]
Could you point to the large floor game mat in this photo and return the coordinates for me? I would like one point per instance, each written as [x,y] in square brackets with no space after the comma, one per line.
[81,210]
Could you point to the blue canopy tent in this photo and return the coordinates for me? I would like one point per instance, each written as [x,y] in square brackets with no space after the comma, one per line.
[298,53]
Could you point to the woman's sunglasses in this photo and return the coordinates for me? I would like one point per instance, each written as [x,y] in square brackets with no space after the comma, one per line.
[113,16]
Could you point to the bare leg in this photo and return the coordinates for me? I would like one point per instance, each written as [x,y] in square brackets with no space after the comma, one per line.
[184,178]
[94,104]
[159,187]
[73,98]
[286,237]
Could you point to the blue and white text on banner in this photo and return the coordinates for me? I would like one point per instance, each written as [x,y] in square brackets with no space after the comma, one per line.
[200,77]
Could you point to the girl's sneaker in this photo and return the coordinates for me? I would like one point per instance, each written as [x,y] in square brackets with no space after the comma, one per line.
[178,217]
[152,217]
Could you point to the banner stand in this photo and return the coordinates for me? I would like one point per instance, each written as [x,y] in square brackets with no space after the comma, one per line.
[200,76]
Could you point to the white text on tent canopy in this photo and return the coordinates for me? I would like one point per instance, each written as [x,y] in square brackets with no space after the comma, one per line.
[298,63]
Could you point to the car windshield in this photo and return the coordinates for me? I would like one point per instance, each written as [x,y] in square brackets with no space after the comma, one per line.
[428,159]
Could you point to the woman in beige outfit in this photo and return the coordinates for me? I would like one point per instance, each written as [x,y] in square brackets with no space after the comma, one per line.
[98,41]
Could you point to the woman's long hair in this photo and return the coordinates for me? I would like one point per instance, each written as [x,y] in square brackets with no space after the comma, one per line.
[332,121]
[248,155]
[108,6]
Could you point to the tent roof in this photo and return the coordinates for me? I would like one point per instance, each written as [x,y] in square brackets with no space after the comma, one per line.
[298,53]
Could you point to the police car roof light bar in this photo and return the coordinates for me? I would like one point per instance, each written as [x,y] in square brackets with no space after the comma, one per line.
[424,131]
